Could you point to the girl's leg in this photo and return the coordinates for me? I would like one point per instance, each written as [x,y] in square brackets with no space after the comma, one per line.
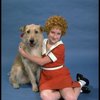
[70,93]
[77,91]
[50,95]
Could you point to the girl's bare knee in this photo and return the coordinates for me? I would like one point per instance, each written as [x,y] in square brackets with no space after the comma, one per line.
[44,96]
[49,95]
[70,97]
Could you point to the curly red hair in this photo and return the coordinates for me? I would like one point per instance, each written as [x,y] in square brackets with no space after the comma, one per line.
[56,22]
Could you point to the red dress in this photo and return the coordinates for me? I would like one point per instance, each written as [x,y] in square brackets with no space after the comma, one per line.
[55,78]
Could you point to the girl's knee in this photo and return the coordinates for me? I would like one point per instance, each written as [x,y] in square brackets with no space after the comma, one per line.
[49,95]
[44,96]
[70,97]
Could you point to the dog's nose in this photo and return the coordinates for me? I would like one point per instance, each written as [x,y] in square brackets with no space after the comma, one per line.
[32,41]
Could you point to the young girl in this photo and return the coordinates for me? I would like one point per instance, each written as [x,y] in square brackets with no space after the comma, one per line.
[55,79]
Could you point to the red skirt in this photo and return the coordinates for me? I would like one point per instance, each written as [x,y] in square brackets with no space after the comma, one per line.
[56,79]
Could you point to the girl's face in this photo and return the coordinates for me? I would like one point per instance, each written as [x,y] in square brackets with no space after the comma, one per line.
[54,36]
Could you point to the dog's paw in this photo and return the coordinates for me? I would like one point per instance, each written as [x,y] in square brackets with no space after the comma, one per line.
[35,89]
[16,86]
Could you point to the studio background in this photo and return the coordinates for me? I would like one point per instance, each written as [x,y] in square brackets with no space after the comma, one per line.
[81,40]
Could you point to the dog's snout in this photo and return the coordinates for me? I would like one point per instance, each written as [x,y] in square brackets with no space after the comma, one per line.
[32,41]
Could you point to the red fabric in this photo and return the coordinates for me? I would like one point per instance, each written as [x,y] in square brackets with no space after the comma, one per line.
[57,79]
[59,53]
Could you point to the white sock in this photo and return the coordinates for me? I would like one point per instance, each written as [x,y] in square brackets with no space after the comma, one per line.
[82,83]
[81,91]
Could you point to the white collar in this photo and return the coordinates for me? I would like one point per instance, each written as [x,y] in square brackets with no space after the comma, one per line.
[54,46]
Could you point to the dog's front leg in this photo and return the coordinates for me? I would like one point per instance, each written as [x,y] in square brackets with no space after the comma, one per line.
[31,77]
[38,74]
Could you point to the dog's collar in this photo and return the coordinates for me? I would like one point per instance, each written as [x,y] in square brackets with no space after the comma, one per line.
[21,35]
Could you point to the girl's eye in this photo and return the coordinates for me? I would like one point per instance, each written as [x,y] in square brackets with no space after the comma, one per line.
[59,33]
[36,31]
[28,31]
[52,32]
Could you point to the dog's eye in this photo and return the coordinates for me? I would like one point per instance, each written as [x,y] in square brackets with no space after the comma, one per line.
[28,31]
[36,31]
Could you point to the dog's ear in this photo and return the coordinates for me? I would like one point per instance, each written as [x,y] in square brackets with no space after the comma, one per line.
[22,29]
[42,29]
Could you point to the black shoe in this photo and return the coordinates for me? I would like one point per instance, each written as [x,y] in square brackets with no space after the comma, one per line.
[61,98]
[85,89]
[81,77]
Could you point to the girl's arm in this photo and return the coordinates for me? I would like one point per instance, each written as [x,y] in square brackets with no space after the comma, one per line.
[38,60]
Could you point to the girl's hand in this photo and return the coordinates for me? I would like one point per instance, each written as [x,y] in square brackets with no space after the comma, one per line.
[22,52]
[21,45]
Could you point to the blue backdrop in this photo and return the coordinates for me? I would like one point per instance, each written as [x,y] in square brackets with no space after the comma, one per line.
[81,40]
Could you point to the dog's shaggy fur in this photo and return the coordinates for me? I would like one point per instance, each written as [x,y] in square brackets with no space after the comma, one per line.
[24,71]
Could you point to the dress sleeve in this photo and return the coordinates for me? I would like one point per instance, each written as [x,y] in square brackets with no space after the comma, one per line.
[52,56]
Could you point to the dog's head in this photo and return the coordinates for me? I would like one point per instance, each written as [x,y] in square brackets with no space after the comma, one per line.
[32,35]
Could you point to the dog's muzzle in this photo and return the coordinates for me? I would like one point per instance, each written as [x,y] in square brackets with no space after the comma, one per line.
[31,42]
